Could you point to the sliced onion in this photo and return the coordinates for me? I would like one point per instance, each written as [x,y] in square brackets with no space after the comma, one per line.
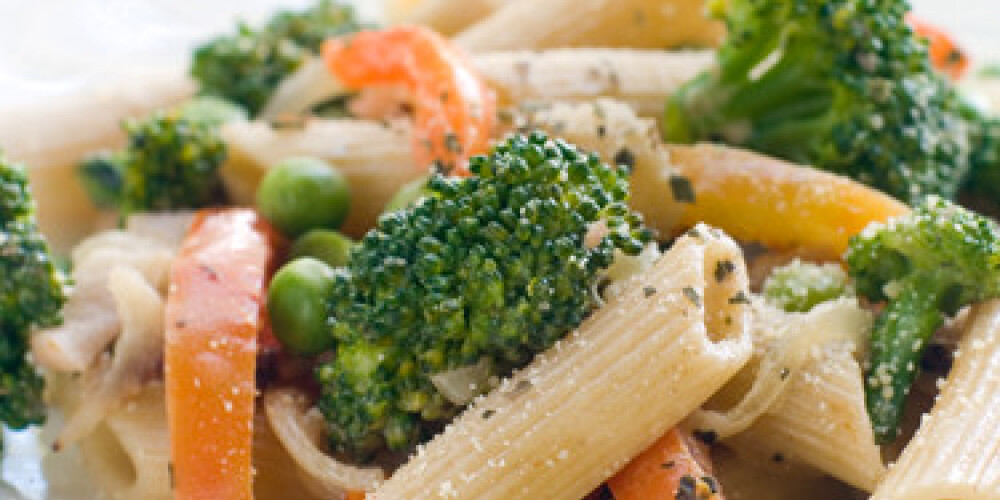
[299,430]
[311,84]
[461,385]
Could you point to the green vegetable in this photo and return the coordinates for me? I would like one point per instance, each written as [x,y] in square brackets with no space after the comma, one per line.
[798,286]
[487,269]
[330,247]
[246,67]
[925,265]
[211,110]
[299,194]
[408,195]
[170,162]
[844,85]
[296,305]
[32,293]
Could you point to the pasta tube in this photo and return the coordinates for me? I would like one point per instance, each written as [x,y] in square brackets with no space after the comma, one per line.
[642,78]
[801,397]
[955,453]
[821,421]
[451,16]
[555,430]
[376,160]
[593,23]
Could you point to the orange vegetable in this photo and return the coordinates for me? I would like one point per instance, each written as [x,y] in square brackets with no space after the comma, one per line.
[675,462]
[759,199]
[945,54]
[355,495]
[454,109]
[213,317]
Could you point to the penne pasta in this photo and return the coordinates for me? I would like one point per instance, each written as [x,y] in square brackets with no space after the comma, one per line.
[785,344]
[554,430]
[451,16]
[955,453]
[375,158]
[641,78]
[593,23]
[821,421]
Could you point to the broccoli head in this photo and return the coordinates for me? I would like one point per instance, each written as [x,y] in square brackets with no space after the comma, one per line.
[171,161]
[985,177]
[844,85]
[799,286]
[31,294]
[489,268]
[247,67]
[925,265]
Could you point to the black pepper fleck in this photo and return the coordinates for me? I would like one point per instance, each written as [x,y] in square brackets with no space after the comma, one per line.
[739,298]
[723,269]
[682,189]
[692,295]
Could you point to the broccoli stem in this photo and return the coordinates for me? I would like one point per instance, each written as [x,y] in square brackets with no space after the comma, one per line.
[898,339]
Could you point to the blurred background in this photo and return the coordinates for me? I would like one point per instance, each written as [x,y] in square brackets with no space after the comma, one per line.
[53,48]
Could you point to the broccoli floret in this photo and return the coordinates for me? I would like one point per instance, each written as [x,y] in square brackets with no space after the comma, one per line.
[925,265]
[171,161]
[247,67]
[32,292]
[985,177]
[798,286]
[490,269]
[844,85]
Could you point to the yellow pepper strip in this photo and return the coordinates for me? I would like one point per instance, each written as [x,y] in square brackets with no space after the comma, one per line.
[757,199]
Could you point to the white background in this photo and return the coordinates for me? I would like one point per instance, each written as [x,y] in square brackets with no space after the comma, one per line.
[50,48]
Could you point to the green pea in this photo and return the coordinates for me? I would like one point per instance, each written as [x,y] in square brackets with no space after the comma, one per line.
[407,195]
[299,194]
[328,246]
[296,305]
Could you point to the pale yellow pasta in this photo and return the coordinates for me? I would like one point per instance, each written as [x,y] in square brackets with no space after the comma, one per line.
[375,158]
[642,78]
[955,454]
[785,344]
[821,421]
[592,23]
[451,16]
[580,411]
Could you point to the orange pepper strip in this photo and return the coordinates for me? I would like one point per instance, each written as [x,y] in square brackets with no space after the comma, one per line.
[759,199]
[213,316]
[454,109]
[945,53]
[657,473]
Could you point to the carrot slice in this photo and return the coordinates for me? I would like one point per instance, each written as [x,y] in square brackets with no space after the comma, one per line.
[946,55]
[454,109]
[675,467]
[213,316]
